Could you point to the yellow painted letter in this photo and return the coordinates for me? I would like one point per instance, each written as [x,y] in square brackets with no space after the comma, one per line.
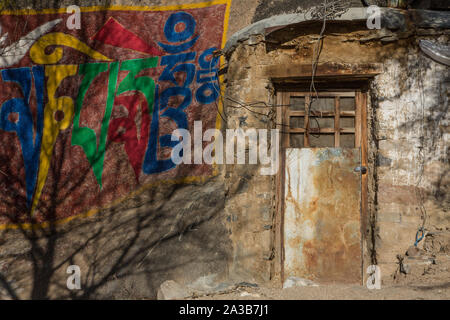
[65,106]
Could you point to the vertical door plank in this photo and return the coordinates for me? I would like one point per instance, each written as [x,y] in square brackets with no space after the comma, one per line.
[306,135]
[337,121]
[358,119]
[286,104]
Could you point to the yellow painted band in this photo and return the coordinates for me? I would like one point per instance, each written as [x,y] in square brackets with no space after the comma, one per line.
[118,8]
[91,212]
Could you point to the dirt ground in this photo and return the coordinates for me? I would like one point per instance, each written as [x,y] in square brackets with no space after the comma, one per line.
[429,282]
[422,274]
[339,292]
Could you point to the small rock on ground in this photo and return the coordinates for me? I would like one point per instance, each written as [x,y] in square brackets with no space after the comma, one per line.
[171,290]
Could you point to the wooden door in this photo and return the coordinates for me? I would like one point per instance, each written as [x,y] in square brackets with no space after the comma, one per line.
[323,183]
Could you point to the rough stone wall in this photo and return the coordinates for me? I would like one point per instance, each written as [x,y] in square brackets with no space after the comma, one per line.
[411,122]
[407,120]
[269,8]
[251,200]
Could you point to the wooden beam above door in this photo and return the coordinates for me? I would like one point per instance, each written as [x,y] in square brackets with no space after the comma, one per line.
[279,72]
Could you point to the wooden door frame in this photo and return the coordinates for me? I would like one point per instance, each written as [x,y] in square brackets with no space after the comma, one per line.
[361,141]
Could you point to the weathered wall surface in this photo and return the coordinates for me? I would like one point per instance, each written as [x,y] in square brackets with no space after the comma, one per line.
[408,135]
[250,206]
[86,118]
[116,98]
[125,252]
[268,8]
[218,228]
[241,11]
[412,163]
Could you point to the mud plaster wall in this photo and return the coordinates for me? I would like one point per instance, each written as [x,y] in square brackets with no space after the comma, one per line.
[408,139]
[411,133]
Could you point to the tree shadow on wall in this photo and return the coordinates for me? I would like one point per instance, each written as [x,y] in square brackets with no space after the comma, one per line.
[166,232]
[425,122]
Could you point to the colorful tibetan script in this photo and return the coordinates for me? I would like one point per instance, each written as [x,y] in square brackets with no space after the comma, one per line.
[86,115]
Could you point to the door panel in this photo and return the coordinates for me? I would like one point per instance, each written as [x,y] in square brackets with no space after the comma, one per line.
[322,200]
